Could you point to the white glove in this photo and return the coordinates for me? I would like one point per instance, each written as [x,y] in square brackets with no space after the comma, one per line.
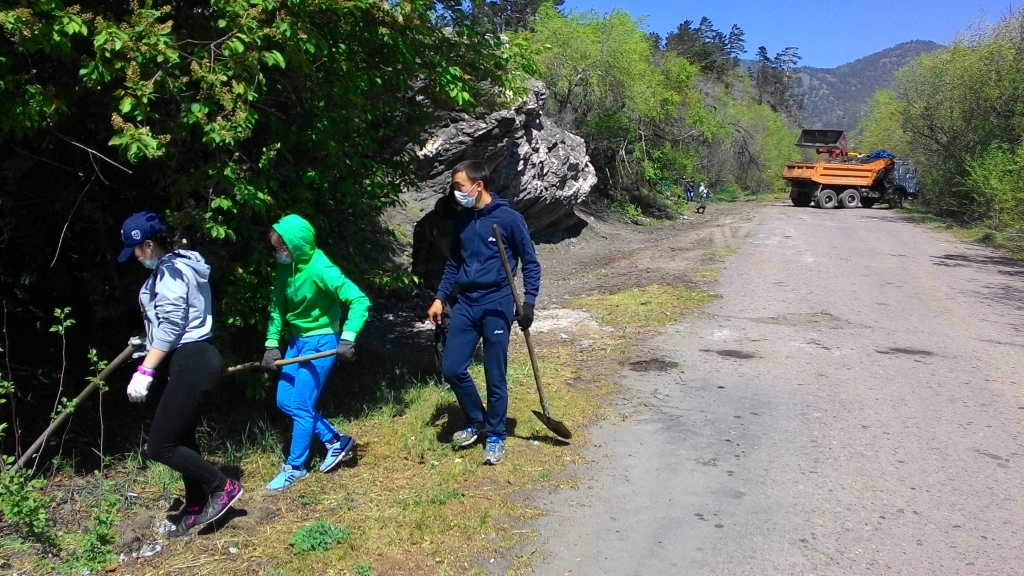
[139,387]
[138,342]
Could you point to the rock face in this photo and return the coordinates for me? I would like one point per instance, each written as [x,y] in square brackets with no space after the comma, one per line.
[542,170]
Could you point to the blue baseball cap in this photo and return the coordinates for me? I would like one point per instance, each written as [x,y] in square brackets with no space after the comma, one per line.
[138,228]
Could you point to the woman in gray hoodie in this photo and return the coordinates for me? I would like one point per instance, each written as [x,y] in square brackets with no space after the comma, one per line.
[176,304]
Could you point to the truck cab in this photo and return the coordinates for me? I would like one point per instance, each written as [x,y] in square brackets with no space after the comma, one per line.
[906,179]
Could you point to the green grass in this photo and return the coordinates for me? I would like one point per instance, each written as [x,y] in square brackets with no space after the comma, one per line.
[1010,243]
[645,309]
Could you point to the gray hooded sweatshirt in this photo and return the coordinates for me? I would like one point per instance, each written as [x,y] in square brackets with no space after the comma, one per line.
[176,301]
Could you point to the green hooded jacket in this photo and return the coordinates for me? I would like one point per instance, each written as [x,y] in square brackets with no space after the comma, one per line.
[309,292]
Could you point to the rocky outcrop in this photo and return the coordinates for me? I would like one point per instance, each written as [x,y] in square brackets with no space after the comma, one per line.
[541,169]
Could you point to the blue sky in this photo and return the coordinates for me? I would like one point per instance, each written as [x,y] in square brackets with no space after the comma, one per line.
[827,34]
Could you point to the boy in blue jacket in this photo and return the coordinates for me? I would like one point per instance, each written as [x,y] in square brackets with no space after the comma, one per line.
[484,308]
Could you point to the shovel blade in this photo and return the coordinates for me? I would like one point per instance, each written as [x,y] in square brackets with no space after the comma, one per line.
[553,424]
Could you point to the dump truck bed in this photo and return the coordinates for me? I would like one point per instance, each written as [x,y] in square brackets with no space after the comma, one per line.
[861,172]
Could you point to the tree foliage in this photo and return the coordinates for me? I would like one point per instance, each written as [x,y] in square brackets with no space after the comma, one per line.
[498,16]
[651,116]
[716,53]
[777,82]
[223,116]
[959,114]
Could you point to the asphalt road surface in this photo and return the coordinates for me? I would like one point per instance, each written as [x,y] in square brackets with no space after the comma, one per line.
[852,404]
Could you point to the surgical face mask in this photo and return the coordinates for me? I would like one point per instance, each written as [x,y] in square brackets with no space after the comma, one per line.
[282,258]
[149,263]
[464,198]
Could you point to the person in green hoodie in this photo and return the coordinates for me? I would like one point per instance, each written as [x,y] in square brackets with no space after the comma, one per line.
[309,291]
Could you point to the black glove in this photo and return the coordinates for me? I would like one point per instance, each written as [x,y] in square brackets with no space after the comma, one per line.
[269,357]
[346,351]
[525,317]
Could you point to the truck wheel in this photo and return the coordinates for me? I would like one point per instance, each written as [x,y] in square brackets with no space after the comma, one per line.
[850,198]
[867,202]
[801,201]
[896,200]
[827,199]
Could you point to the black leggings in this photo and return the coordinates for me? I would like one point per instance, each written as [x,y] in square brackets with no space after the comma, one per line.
[194,372]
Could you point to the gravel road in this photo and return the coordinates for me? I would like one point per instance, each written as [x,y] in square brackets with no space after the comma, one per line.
[850,405]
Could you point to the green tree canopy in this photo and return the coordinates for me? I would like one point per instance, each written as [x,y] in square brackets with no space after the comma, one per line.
[221,115]
[959,114]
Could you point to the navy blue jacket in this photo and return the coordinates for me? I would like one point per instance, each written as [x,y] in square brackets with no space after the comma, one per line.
[474,263]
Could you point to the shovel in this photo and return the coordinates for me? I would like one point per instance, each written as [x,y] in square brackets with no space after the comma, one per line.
[279,363]
[552,423]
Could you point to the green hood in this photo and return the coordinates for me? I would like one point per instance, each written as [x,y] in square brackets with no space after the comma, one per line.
[298,236]
[311,295]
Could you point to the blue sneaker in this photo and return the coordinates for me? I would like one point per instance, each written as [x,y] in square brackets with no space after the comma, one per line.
[466,436]
[288,476]
[494,451]
[337,452]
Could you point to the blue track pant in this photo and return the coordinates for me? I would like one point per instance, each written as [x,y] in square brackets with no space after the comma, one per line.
[298,390]
[491,322]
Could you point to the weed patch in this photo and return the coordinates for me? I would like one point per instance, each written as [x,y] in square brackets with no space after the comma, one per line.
[319,536]
[644,309]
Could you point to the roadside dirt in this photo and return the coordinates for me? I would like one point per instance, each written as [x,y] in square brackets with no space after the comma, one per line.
[611,255]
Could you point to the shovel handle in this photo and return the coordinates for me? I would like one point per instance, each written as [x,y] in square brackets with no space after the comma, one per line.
[279,363]
[519,310]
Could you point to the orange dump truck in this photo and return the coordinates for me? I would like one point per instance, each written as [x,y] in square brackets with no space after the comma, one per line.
[841,180]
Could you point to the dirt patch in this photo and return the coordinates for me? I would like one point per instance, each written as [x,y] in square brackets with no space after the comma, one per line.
[737,354]
[905,351]
[652,365]
[815,319]
[610,256]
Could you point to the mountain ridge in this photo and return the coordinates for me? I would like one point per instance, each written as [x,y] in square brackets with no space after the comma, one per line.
[835,97]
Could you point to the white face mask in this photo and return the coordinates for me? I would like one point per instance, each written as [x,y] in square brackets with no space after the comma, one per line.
[464,199]
[282,257]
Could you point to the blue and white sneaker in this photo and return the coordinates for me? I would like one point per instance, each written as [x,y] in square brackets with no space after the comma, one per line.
[494,451]
[337,452]
[289,475]
[466,436]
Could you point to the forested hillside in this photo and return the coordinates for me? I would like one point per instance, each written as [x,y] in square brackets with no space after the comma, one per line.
[655,111]
[835,97]
[959,114]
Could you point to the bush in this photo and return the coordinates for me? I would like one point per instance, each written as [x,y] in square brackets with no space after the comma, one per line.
[25,506]
[318,537]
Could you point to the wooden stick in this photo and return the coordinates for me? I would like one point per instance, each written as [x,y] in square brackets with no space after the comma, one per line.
[279,363]
[121,359]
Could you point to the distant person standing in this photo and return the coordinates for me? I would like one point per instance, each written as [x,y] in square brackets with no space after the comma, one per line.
[689,192]
[704,193]
[431,243]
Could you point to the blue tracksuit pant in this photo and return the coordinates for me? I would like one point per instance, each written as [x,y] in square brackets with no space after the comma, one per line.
[298,390]
[491,322]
